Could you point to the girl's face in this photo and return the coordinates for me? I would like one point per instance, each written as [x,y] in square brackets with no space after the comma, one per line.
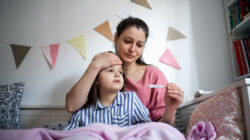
[130,44]
[111,79]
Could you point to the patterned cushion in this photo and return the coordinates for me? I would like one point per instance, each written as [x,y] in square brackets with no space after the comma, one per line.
[55,125]
[224,111]
[10,98]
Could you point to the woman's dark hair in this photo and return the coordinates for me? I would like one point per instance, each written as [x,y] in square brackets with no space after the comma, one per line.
[139,24]
[94,92]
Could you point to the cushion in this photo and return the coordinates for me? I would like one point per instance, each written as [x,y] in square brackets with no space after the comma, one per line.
[55,125]
[223,110]
[10,98]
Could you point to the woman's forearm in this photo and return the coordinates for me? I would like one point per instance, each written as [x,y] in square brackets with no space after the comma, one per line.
[78,95]
[168,117]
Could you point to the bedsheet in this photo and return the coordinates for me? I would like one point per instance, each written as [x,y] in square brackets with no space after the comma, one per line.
[98,131]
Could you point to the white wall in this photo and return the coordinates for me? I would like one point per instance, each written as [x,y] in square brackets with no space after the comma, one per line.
[203,55]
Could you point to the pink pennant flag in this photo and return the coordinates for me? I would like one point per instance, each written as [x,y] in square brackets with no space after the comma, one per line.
[169,59]
[51,53]
[54,52]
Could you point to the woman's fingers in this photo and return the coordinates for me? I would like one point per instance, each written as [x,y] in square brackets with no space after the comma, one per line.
[113,59]
[175,92]
[107,59]
[176,97]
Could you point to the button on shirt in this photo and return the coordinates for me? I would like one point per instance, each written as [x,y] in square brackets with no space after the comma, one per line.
[127,109]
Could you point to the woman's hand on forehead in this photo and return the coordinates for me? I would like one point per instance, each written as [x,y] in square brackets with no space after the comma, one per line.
[107,59]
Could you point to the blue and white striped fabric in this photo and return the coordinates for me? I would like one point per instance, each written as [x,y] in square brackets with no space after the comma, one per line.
[127,109]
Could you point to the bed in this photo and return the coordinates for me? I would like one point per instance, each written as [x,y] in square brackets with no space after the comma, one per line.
[233,109]
[227,108]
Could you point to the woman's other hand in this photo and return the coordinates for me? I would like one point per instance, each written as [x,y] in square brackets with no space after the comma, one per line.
[174,97]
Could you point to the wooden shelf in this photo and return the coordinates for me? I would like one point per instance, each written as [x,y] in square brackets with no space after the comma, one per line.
[242,77]
[230,2]
[243,27]
[242,30]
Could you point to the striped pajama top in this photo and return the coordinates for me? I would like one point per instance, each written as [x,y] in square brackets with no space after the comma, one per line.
[127,109]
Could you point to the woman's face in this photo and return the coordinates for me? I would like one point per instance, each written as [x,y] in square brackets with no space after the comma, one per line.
[130,44]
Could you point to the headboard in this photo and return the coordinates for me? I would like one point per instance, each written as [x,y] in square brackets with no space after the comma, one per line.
[38,116]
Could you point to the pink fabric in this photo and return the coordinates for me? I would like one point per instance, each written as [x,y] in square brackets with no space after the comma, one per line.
[152,98]
[202,131]
[98,131]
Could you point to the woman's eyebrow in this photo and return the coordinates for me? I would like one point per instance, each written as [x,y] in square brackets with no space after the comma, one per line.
[128,37]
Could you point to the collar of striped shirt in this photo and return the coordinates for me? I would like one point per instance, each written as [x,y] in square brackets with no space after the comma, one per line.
[116,102]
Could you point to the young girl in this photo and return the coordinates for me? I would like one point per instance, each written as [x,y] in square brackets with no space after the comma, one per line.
[107,104]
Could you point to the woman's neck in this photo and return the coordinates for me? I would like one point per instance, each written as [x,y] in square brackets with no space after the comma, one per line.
[135,71]
[131,67]
[107,98]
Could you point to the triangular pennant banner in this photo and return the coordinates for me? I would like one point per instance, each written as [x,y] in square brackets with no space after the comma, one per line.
[105,30]
[174,34]
[142,3]
[51,53]
[79,44]
[19,53]
[124,13]
[47,54]
[169,59]
[54,52]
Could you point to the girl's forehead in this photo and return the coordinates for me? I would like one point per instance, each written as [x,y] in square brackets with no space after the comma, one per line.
[115,66]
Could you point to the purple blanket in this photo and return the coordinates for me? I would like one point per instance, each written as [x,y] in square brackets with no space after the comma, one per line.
[98,131]
[202,131]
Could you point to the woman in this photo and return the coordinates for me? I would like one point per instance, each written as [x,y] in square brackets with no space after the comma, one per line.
[130,40]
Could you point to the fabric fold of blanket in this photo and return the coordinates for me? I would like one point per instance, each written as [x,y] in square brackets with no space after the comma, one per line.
[202,131]
[98,131]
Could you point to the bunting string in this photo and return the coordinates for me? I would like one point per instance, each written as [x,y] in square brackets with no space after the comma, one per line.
[51,51]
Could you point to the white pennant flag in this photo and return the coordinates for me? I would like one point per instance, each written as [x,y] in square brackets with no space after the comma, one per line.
[51,53]
[124,13]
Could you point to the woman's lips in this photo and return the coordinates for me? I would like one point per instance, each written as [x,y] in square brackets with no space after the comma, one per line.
[129,56]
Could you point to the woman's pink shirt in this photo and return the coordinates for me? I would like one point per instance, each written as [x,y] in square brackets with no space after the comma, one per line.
[152,98]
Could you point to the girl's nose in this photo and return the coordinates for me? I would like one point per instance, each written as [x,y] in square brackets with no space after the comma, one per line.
[117,74]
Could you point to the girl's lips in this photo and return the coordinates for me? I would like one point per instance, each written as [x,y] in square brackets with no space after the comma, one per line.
[117,81]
